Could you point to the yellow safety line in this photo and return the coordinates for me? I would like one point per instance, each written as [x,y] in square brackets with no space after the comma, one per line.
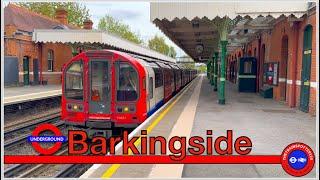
[110,171]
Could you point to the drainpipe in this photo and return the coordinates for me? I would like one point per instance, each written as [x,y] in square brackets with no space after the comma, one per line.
[40,62]
[294,63]
[258,65]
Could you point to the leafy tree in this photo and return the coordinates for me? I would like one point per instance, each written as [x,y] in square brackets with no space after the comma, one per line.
[158,43]
[172,52]
[77,12]
[112,25]
[202,68]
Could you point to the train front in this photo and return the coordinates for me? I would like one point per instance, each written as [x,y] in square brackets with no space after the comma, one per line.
[101,91]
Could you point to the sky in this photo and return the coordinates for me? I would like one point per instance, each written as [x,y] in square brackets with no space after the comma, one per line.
[134,14]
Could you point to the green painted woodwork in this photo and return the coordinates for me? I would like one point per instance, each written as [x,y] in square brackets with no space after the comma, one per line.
[306,68]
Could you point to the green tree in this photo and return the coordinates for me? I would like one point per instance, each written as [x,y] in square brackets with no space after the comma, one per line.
[77,12]
[112,25]
[172,52]
[158,44]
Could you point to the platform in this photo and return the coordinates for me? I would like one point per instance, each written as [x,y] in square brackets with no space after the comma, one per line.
[271,127]
[14,95]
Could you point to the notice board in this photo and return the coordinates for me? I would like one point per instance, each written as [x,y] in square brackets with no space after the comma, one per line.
[271,73]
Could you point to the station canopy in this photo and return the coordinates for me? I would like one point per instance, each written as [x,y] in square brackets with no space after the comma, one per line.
[96,40]
[194,26]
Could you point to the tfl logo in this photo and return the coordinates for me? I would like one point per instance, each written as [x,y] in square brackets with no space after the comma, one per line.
[58,138]
[297,159]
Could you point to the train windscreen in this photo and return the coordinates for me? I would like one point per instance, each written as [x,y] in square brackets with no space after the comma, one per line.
[127,82]
[74,81]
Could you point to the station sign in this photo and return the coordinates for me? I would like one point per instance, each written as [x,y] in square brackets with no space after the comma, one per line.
[270,74]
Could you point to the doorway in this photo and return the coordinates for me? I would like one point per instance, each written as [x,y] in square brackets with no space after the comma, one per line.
[306,67]
[26,72]
[284,68]
[262,61]
[35,71]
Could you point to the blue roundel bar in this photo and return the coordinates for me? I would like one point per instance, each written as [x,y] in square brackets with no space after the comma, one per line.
[47,139]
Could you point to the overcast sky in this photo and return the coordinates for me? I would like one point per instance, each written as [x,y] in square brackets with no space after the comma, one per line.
[135,14]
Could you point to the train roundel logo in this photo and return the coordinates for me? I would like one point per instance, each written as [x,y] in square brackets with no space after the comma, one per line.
[35,139]
[297,159]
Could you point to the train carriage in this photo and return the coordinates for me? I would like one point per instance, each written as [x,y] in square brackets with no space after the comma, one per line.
[107,89]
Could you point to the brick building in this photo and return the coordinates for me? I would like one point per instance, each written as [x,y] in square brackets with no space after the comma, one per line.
[292,44]
[27,62]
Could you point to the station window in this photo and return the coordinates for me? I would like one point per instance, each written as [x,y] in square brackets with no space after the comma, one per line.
[127,82]
[158,77]
[247,67]
[50,60]
[74,81]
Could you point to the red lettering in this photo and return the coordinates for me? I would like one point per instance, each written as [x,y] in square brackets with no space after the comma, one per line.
[152,144]
[246,144]
[196,143]
[129,144]
[71,145]
[178,153]
[228,140]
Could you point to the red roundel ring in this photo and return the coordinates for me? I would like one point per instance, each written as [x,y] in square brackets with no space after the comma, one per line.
[37,146]
[297,159]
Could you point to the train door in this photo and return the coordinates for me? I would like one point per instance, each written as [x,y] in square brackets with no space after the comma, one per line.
[306,67]
[99,73]
[151,87]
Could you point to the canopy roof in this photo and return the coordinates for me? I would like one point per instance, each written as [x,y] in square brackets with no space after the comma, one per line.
[193,25]
[94,37]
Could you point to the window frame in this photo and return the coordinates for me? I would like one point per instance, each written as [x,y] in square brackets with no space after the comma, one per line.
[90,77]
[65,80]
[117,65]
[50,51]
[157,79]
[151,82]
[245,66]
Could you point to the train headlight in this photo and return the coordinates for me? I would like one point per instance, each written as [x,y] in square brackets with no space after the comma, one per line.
[126,109]
[75,107]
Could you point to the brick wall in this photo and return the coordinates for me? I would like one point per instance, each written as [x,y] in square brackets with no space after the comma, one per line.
[273,41]
[22,45]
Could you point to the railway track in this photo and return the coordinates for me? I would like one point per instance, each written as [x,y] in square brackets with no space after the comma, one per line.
[28,170]
[23,138]
[12,133]
[9,129]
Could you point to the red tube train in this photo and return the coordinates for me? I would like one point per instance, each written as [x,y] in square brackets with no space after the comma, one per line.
[107,89]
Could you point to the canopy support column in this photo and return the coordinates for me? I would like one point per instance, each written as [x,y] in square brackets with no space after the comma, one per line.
[222,78]
[211,71]
[223,27]
[215,71]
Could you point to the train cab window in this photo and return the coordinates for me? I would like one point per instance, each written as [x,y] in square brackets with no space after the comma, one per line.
[247,67]
[74,81]
[127,82]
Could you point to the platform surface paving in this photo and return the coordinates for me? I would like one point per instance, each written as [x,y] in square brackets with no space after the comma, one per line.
[28,93]
[270,125]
